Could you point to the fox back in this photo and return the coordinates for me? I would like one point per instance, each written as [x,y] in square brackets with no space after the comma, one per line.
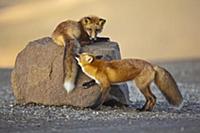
[116,70]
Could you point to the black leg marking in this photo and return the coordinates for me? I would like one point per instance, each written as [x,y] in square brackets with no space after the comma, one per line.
[102,39]
[88,84]
[99,56]
[97,103]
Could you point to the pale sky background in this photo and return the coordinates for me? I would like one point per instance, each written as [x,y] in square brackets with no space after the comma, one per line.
[149,29]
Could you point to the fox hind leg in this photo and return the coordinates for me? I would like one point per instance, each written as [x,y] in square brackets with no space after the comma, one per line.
[150,99]
[143,83]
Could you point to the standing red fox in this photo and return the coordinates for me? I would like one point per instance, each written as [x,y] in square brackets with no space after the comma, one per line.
[106,73]
[71,34]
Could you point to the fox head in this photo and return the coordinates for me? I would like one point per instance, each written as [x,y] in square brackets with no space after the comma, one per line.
[85,59]
[92,25]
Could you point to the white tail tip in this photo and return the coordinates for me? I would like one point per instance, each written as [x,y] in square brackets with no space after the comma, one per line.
[69,86]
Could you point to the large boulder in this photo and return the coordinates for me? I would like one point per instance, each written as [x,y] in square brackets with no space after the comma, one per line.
[38,75]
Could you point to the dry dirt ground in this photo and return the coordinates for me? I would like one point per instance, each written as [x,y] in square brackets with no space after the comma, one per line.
[164,118]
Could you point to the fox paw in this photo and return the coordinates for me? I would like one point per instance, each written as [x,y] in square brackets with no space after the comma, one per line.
[96,106]
[86,43]
[99,56]
[143,110]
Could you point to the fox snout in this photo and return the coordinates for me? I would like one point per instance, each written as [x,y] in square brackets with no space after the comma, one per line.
[93,35]
[93,39]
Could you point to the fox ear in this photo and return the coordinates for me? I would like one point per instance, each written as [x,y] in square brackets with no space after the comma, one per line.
[86,20]
[102,21]
[89,59]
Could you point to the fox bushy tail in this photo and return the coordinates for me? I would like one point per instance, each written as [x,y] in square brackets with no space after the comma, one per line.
[168,86]
[70,65]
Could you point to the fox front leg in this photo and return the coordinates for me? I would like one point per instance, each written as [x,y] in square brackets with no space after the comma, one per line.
[105,88]
[100,100]
[97,103]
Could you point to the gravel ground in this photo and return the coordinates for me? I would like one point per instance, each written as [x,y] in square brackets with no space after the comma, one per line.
[164,118]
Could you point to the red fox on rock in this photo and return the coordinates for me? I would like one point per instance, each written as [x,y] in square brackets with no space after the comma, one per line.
[71,34]
[106,73]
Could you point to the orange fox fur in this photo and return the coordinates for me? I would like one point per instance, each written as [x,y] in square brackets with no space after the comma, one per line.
[106,73]
[71,34]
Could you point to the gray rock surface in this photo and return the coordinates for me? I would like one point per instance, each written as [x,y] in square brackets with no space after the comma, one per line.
[38,75]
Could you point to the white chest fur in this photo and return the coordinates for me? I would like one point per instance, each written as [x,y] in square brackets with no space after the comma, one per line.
[89,75]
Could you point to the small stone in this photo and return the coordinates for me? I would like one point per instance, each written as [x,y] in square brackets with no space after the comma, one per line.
[182,129]
[11,105]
